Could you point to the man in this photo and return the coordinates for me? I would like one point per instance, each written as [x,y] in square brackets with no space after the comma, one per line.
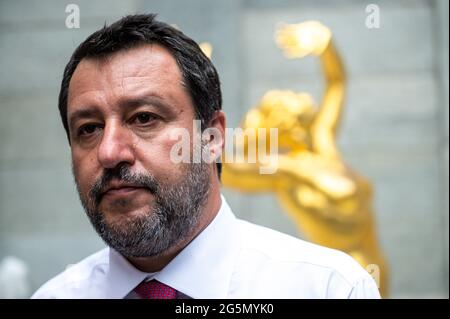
[125,91]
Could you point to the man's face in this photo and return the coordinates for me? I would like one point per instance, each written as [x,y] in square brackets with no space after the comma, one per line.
[122,112]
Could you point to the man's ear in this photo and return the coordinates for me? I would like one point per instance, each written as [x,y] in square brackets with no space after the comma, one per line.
[214,135]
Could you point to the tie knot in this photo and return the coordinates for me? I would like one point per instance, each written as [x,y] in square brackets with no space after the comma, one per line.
[155,290]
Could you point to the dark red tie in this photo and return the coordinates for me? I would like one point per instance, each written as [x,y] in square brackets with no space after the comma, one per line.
[154,289]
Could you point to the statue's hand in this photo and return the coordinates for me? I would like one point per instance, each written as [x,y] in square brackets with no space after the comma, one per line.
[299,40]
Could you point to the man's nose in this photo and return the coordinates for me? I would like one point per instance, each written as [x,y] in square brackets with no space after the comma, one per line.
[115,146]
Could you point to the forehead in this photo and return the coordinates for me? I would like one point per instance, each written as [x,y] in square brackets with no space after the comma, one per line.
[148,68]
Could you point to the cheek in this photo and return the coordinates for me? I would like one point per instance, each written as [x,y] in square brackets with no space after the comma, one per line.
[155,156]
[84,171]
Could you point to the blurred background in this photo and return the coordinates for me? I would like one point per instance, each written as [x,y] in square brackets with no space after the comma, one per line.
[394,130]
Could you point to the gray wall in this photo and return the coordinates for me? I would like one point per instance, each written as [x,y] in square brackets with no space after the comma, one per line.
[394,130]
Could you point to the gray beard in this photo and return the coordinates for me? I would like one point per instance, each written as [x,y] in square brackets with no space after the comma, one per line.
[174,215]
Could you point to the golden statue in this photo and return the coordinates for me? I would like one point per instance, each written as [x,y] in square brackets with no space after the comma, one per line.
[330,203]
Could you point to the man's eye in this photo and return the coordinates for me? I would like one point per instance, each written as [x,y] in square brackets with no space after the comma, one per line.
[87,129]
[144,118]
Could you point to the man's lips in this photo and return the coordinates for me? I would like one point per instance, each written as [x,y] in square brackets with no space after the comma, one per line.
[123,191]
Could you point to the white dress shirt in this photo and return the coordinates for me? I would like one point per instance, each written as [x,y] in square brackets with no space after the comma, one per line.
[230,258]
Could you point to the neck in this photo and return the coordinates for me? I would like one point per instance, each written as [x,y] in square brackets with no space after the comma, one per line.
[210,210]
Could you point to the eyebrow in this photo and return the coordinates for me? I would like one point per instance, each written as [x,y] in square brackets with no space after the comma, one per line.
[88,112]
[126,103]
[146,100]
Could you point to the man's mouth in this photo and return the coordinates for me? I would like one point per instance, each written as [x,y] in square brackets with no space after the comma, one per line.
[122,191]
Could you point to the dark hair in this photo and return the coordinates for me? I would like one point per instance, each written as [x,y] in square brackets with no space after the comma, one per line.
[199,74]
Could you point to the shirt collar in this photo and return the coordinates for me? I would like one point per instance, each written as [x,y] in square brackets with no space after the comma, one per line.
[203,269]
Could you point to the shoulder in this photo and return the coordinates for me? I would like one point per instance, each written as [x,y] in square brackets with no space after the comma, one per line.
[298,268]
[77,279]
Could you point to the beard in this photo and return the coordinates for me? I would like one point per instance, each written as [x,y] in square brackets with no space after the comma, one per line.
[174,212]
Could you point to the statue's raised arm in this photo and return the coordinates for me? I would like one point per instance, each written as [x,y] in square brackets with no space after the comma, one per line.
[313,38]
